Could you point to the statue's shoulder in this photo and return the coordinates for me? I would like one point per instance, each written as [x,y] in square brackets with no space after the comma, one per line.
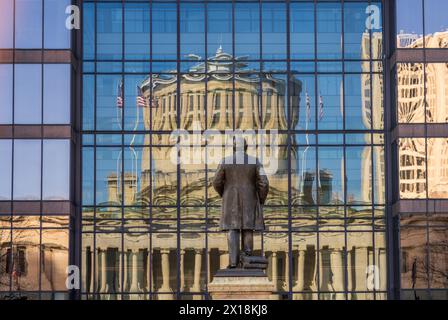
[227,161]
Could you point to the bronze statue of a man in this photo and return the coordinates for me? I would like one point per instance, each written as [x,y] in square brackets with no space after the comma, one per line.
[243,186]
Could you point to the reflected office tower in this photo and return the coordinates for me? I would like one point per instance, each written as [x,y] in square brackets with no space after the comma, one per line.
[437,91]
[411,81]
[325,187]
[307,195]
[422,91]
[410,93]
[408,40]
[372,98]
[412,162]
[437,151]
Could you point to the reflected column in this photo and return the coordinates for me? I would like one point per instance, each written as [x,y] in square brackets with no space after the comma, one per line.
[134,277]
[104,287]
[349,271]
[197,272]
[182,270]
[299,286]
[165,288]
[360,268]
[274,270]
[120,271]
[337,267]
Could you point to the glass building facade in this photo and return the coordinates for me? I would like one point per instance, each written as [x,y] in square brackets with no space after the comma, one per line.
[354,92]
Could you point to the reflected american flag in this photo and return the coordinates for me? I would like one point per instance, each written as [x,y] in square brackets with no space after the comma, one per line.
[308,107]
[141,102]
[321,107]
[120,94]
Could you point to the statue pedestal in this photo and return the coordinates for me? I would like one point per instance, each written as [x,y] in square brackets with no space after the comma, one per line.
[241,284]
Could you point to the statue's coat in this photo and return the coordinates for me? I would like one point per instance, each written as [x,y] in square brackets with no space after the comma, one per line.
[243,188]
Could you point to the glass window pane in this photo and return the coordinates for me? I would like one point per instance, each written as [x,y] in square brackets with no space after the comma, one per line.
[136,182]
[26,251]
[109,102]
[329,31]
[28,25]
[303,179]
[6,93]
[54,255]
[137,113]
[56,36]
[192,30]
[109,33]
[108,176]
[88,107]
[88,176]
[329,102]
[89,33]
[436,82]
[359,257]
[379,174]
[358,175]
[164,31]
[247,30]
[332,264]
[438,260]
[436,23]
[410,93]
[28,94]
[274,30]
[438,168]
[412,167]
[5,169]
[57,94]
[302,30]
[356,36]
[357,101]
[137,28]
[27,166]
[409,23]
[303,106]
[330,175]
[274,103]
[6,23]
[56,170]
[376,32]
[413,257]
[219,28]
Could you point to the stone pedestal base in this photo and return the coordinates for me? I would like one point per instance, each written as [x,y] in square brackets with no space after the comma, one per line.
[235,284]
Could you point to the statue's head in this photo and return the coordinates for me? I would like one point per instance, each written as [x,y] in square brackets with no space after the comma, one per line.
[239,144]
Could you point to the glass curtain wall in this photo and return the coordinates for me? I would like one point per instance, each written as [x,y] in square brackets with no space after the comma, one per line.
[34,168]
[308,72]
[422,104]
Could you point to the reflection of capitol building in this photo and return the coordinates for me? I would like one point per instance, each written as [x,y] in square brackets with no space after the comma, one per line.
[311,271]
[258,103]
